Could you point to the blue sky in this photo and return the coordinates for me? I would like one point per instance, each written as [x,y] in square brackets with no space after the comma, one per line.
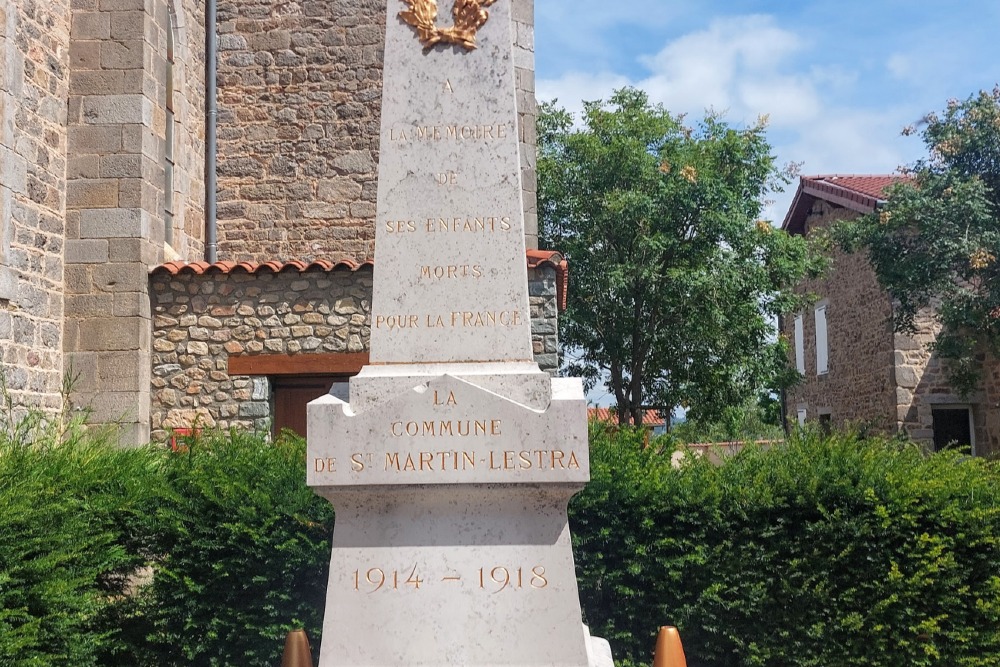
[838,80]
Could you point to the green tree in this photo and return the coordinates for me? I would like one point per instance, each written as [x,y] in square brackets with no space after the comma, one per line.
[676,281]
[756,419]
[937,238]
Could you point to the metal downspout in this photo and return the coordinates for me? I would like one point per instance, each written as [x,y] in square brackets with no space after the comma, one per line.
[211,119]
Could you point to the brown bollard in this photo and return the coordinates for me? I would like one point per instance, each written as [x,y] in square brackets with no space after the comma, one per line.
[669,652]
[296,650]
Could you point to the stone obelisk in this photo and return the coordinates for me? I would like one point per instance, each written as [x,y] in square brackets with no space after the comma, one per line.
[451,467]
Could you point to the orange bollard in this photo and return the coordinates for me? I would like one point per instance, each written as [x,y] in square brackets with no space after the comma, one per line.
[669,651]
[296,650]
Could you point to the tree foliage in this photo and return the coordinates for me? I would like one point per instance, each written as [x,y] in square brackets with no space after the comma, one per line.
[72,513]
[936,240]
[675,279]
[828,551]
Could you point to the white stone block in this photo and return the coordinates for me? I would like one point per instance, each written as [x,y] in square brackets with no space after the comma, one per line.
[449,216]
[447,431]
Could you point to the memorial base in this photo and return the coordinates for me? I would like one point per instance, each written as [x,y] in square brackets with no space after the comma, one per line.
[451,545]
[460,575]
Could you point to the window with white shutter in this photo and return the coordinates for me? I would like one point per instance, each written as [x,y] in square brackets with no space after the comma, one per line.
[800,346]
[822,345]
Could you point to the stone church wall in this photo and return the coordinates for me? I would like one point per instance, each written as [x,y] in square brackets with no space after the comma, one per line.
[117,222]
[201,320]
[34,79]
[83,153]
[300,87]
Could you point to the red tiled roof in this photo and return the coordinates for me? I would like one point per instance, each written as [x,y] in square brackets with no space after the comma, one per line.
[872,186]
[198,268]
[649,417]
[536,259]
[861,193]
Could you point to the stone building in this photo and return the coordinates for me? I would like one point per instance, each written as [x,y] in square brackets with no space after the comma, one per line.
[104,235]
[855,369]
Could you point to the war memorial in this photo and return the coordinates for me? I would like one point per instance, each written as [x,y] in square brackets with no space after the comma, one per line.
[451,466]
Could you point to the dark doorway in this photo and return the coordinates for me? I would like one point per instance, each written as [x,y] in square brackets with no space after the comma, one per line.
[292,393]
[951,428]
[826,423]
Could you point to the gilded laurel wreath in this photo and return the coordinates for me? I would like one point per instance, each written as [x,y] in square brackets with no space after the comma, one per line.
[469,18]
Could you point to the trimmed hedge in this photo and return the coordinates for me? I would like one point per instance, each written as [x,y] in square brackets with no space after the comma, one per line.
[244,550]
[71,507]
[833,552]
[825,552]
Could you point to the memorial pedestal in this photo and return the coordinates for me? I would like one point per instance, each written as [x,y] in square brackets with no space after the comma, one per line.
[451,544]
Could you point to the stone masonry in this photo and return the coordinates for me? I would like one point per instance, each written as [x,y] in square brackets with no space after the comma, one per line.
[299,112]
[115,191]
[83,178]
[858,388]
[34,43]
[202,317]
[922,385]
[988,442]
[877,378]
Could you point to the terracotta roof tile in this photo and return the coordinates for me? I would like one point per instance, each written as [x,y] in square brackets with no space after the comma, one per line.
[608,415]
[857,192]
[536,259]
[198,268]
[872,186]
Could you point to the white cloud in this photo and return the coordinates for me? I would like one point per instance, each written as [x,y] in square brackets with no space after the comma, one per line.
[575,88]
[589,31]
[900,66]
[736,65]
[747,66]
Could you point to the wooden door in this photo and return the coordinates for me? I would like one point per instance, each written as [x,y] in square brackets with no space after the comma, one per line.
[292,393]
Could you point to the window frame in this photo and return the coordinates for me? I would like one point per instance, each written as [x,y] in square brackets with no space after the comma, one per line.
[956,406]
[800,344]
[822,340]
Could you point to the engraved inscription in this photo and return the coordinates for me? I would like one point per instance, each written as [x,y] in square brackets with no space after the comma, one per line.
[491,578]
[448,401]
[472,225]
[441,428]
[456,319]
[500,578]
[400,226]
[325,465]
[376,578]
[484,132]
[446,178]
[451,271]
[454,460]
[485,224]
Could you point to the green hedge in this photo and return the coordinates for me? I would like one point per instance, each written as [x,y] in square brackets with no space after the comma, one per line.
[71,508]
[830,552]
[244,551]
[203,556]
[825,552]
